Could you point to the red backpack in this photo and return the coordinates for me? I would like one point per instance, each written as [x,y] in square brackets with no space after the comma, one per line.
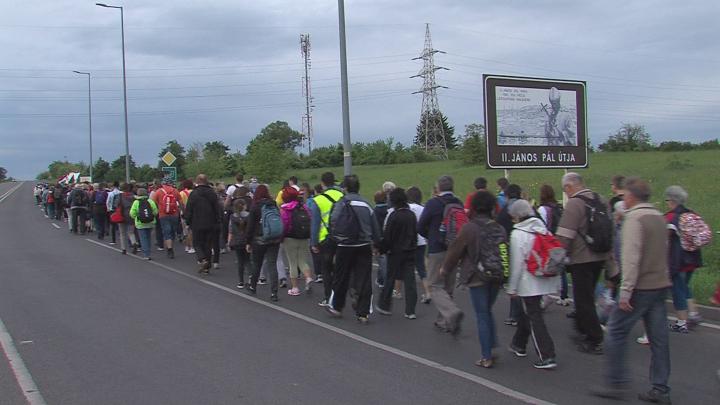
[454,218]
[547,257]
[169,203]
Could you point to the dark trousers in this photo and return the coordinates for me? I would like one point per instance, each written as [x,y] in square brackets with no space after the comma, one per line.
[78,219]
[242,261]
[317,263]
[355,263]
[515,308]
[327,264]
[59,210]
[650,307]
[114,228]
[531,324]
[400,266]
[585,276]
[261,253]
[216,246]
[202,242]
[158,233]
[100,220]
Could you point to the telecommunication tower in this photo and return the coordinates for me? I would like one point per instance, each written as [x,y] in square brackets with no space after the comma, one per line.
[307,126]
[432,133]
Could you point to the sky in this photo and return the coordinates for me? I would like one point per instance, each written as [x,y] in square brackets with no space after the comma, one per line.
[200,71]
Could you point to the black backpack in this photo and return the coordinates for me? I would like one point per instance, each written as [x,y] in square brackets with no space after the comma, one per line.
[57,193]
[554,213]
[79,198]
[346,228]
[493,265]
[299,223]
[145,212]
[599,236]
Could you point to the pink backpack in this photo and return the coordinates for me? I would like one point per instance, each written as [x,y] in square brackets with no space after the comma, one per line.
[693,231]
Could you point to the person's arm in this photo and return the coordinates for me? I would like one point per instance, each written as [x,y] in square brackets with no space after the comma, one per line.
[189,210]
[571,221]
[631,255]
[543,211]
[423,225]
[375,228]
[517,262]
[387,234]
[134,209]
[315,220]
[154,207]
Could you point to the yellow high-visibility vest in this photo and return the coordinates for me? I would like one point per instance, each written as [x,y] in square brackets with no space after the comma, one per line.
[325,206]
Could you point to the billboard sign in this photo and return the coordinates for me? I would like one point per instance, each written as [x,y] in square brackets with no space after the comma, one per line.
[533,122]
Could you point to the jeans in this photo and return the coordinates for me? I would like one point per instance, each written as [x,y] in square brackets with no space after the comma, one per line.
[242,261]
[355,263]
[382,270]
[681,290]
[78,219]
[483,299]
[401,266]
[100,218]
[649,306]
[169,226]
[585,277]
[564,285]
[145,240]
[531,323]
[261,253]
[127,231]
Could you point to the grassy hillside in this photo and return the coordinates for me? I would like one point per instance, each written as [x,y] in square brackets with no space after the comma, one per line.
[696,171]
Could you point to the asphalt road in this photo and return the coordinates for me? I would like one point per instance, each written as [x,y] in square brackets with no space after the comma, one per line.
[96,327]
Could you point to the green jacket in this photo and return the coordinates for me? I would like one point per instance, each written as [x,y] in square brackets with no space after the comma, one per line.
[134,213]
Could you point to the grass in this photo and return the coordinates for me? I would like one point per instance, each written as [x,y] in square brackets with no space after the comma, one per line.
[695,171]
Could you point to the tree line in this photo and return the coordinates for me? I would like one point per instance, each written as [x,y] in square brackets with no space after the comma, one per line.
[634,138]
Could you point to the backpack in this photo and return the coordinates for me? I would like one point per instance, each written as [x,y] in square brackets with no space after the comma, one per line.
[57,193]
[547,256]
[51,198]
[169,202]
[271,223]
[599,236]
[299,223]
[238,225]
[693,231]
[101,197]
[78,198]
[145,212]
[346,228]
[554,213]
[454,218]
[493,265]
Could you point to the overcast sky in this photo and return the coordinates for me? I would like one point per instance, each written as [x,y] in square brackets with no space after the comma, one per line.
[222,70]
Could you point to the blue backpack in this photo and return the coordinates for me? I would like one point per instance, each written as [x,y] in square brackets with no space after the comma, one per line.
[271,223]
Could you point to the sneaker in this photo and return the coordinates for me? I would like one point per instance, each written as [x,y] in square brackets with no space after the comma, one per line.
[410,316]
[563,302]
[510,322]
[187,249]
[484,363]
[147,258]
[171,253]
[294,292]
[379,284]
[675,327]
[425,299]
[191,251]
[240,285]
[123,251]
[252,290]
[160,248]
[223,251]
[112,243]
[308,285]
[547,364]
[643,340]
[655,396]
[134,249]
[694,320]
[590,348]
[323,303]
[517,351]
[397,294]
[363,319]
[283,283]
[332,311]
[216,266]
[319,279]
[274,298]
[382,311]
[262,281]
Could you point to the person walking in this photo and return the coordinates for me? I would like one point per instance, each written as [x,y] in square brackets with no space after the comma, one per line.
[319,228]
[399,242]
[127,225]
[380,212]
[480,184]
[237,238]
[79,202]
[99,208]
[481,244]
[203,215]
[264,233]
[643,290]
[144,211]
[585,262]
[296,223]
[415,203]
[512,193]
[355,230]
[441,285]
[111,205]
[530,288]
[187,186]
[169,203]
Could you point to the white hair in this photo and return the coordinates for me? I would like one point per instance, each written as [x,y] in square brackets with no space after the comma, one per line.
[572,179]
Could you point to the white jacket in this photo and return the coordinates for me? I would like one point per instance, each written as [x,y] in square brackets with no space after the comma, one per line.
[522,282]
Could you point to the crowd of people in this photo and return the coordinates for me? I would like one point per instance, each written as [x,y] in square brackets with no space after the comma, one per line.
[623,255]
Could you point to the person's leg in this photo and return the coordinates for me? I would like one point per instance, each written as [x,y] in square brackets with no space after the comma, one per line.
[215,245]
[73,220]
[655,320]
[341,277]
[680,300]
[522,333]
[619,327]
[585,278]
[327,253]
[563,286]
[258,256]
[362,271]
[382,270]
[448,312]
[407,275]
[100,218]
[515,309]
[198,241]
[158,234]
[542,340]
[292,252]
[242,259]
[482,300]
[146,241]
[303,264]
[393,263]
[280,264]
[123,236]
[272,256]
[422,271]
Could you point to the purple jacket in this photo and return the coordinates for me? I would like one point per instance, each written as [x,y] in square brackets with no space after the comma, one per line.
[286,215]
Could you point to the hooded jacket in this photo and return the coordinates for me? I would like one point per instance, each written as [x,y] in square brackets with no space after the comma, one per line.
[202,211]
[522,282]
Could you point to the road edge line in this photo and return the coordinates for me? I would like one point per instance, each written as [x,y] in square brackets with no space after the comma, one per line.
[22,375]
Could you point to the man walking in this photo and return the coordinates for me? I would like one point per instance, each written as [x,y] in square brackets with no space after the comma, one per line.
[586,262]
[642,296]
[79,201]
[355,230]
[203,217]
[319,226]
[442,285]
[169,204]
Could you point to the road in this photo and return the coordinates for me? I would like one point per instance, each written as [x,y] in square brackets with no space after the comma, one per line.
[95,327]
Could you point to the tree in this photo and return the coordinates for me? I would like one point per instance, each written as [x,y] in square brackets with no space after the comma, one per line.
[266,160]
[179,151]
[3,174]
[117,169]
[629,138]
[473,144]
[100,170]
[436,119]
[280,132]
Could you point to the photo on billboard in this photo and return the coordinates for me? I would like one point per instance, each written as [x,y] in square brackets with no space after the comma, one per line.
[534,122]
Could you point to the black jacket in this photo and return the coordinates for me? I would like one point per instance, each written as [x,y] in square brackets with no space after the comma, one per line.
[202,211]
[400,234]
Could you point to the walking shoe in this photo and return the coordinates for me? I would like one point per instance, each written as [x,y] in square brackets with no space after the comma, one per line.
[216,266]
[484,363]
[332,311]
[171,253]
[655,396]
[425,299]
[676,327]
[262,281]
[382,311]
[124,252]
[694,320]
[319,279]
[517,351]
[643,340]
[563,302]
[160,248]
[294,291]
[547,364]
[273,297]
[283,283]
[323,303]
[191,251]
[397,294]
[379,284]
[308,285]
[252,290]
[510,322]
[410,316]
[590,348]
[112,243]
[363,319]
[147,258]
[240,285]
[134,249]
[571,315]
[223,251]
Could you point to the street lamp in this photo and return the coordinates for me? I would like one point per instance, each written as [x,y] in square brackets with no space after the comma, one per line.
[127,143]
[347,145]
[89,118]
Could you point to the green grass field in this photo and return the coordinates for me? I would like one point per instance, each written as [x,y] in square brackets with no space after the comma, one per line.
[696,171]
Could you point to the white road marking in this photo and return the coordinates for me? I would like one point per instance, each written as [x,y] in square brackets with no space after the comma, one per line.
[401,353]
[9,192]
[55,225]
[22,375]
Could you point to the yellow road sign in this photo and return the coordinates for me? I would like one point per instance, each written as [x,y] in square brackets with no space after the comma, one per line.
[168,158]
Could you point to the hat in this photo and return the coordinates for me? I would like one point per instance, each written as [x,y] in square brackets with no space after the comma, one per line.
[142,192]
[289,194]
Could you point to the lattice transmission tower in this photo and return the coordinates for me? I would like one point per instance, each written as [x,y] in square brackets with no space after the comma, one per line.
[431,134]
[307,121]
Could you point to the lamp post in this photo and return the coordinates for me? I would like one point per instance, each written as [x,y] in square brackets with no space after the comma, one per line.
[347,145]
[127,143]
[89,118]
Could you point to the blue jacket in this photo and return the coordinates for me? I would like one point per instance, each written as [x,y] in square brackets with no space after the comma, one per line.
[429,224]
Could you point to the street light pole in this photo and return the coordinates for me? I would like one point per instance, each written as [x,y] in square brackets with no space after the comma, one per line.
[347,145]
[127,143]
[89,119]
